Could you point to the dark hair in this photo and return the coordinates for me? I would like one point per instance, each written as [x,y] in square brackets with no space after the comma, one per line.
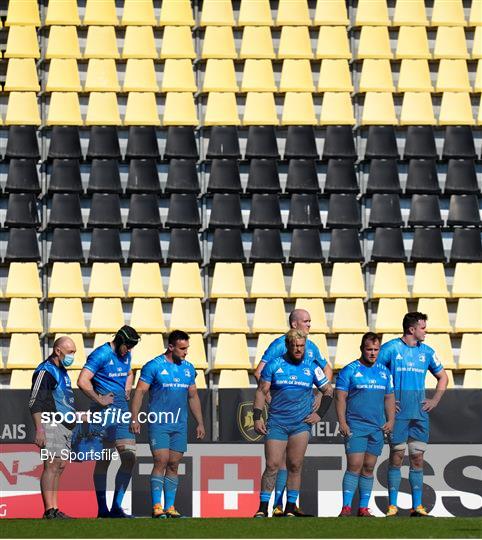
[369,336]
[177,335]
[411,320]
[126,336]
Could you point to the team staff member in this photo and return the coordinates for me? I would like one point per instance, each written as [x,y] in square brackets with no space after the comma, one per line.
[107,379]
[170,381]
[290,381]
[365,405]
[52,392]
[408,360]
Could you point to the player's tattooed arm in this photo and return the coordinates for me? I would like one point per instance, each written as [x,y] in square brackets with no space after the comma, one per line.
[129,382]
[259,402]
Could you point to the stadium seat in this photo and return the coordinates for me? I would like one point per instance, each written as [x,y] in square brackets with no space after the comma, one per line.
[390,313]
[22,109]
[228,281]
[302,176]
[412,43]
[143,211]
[80,356]
[262,141]
[265,211]
[448,13]
[177,43]
[142,139]
[102,109]
[376,76]
[258,76]
[425,211]
[185,281]
[429,281]
[450,43]
[145,281]
[414,76]
[385,211]
[316,308]
[343,211]
[269,316]
[417,109]
[255,13]
[263,176]
[374,43]
[176,13]
[475,17]
[456,109]
[257,43]
[410,13]
[295,43]
[467,282]
[372,13]
[63,12]
[187,313]
[230,316]
[268,281]
[442,346]
[347,349]
[24,351]
[63,76]
[422,177]
[293,13]
[218,43]
[331,12]
[66,246]
[66,281]
[100,12]
[141,110]
[107,315]
[458,142]
[437,312]
[183,211]
[431,381]
[101,76]
[226,211]
[139,43]
[21,379]
[67,316]
[333,43]
[298,109]
[64,109]
[217,13]
[22,43]
[345,246]
[334,76]
[461,177]
[197,351]
[23,281]
[232,352]
[22,12]
[390,281]
[200,380]
[349,316]
[347,281]
[452,76]
[184,246]
[472,379]
[296,76]
[260,109]
[180,110]
[21,75]
[464,210]
[22,210]
[105,211]
[138,13]
[104,174]
[221,109]
[320,341]
[182,176]
[106,281]
[101,42]
[304,211]
[337,109]
[427,246]
[23,316]
[379,109]
[471,351]
[305,246]
[63,42]
[263,342]
[233,378]
[388,245]
[147,315]
[178,75]
[381,142]
[150,346]
[469,315]
[143,177]
[65,177]
[22,176]
[307,281]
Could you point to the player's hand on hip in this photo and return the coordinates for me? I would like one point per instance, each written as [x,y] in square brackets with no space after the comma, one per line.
[312,418]
[135,427]
[429,404]
[345,429]
[316,402]
[260,427]
[200,431]
[387,428]
[40,438]
[106,400]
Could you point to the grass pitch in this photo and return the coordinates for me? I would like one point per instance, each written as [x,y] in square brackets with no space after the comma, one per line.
[245,528]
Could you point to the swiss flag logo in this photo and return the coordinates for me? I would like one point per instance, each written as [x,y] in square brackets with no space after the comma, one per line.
[230,485]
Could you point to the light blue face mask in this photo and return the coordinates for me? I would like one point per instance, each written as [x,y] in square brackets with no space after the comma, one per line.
[67,360]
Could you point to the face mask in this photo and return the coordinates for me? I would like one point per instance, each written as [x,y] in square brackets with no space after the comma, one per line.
[67,360]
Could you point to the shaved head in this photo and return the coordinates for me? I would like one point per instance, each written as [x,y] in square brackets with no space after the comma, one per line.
[300,319]
[65,344]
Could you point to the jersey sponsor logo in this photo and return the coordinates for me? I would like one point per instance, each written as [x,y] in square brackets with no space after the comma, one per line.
[177,379]
[245,421]
[164,372]
[293,377]
[279,370]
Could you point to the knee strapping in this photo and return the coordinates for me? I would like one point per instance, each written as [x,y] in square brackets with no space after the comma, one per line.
[399,446]
[416,447]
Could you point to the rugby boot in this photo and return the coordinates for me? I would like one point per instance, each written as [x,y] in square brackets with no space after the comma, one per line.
[419,512]
[392,511]
[171,512]
[345,512]
[365,512]
[278,511]
[158,512]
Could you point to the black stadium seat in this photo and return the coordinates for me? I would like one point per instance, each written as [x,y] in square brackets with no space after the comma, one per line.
[182,176]
[143,211]
[304,211]
[425,211]
[144,246]
[345,246]
[22,176]
[461,177]
[224,177]
[183,211]
[262,143]
[427,246]
[305,246]
[266,246]
[226,211]
[265,212]
[420,143]
[223,143]
[422,177]
[383,177]
[341,177]
[180,143]
[263,176]
[143,177]
[142,142]
[65,176]
[184,246]
[466,246]
[65,211]
[66,246]
[388,245]
[302,177]
[339,143]
[65,143]
[22,210]
[22,245]
[343,211]
[22,142]
[227,246]
[103,143]
[105,246]
[385,211]
[105,211]
[301,143]
[104,177]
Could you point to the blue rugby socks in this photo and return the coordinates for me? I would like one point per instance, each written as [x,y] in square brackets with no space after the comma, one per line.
[394,478]
[415,477]
[280,487]
[350,484]
[365,485]
[157,486]
[170,490]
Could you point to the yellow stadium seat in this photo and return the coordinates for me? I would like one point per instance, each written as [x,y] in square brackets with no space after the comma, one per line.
[145,281]
[233,378]
[102,109]
[147,315]
[372,13]
[337,109]
[64,109]
[63,12]
[347,281]
[333,43]
[450,43]
[475,17]
[331,12]
[101,42]
[185,281]
[21,379]
[22,43]
[390,314]
[376,76]
[187,313]
[374,43]
[100,12]
[389,337]
[379,109]
[429,281]
[105,281]
[101,338]
[293,13]
[478,78]
[139,43]
[476,49]
[431,381]
[414,76]
[102,76]
[467,280]
[218,43]
[264,340]
[178,76]
[220,76]
[442,346]
[21,75]
[180,109]
[200,380]
[177,43]
[230,316]
[452,76]
[196,353]
[24,351]
[23,12]
[260,109]
[471,352]
[298,109]
[107,315]
[258,76]
[257,43]
[268,281]
[140,76]
[232,352]
[349,316]
[320,341]
[269,316]
[141,109]
[469,315]
[67,316]
[472,379]
[80,356]
[437,312]
[456,109]
[448,13]
[217,13]
[390,281]
[176,13]
[417,109]
[410,13]
[64,75]
[150,346]
[228,281]
[316,308]
[307,281]
[412,43]
[63,42]
[255,13]
[295,43]
[138,13]
[347,349]
[296,76]
[23,281]
[22,109]
[334,76]
[66,281]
